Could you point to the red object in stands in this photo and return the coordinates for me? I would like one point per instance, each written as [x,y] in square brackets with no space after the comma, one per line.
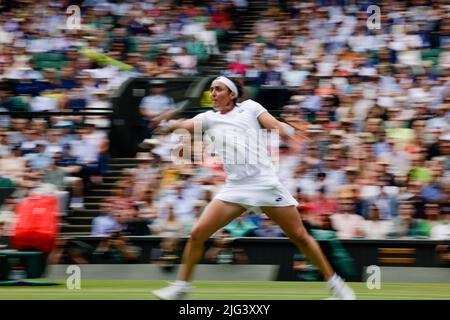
[36,224]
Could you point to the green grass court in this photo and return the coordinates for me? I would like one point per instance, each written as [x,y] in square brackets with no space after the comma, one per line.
[223,290]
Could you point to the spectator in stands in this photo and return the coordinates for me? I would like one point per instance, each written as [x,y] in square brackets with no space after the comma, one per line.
[405,225]
[375,228]
[181,199]
[268,229]
[237,68]
[31,138]
[144,175]
[4,147]
[412,194]
[66,162]
[209,38]
[13,165]
[223,250]
[439,223]
[67,78]
[321,206]
[157,106]
[75,100]
[121,199]
[37,158]
[147,208]
[54,141]
[170,229]
[100,101]
[270,76]
[199,206]
[419,170]
[116,248]
[133,224]
[70,251]
[346,223]
[167,225]
[186,63]
[56,176]
[386,203]
[332,167]
[242,226]
[105,223]
[90,149]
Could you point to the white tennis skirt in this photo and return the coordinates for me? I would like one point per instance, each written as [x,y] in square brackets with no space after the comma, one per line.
[257,192]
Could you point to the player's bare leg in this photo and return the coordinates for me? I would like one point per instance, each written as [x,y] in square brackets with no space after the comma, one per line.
[216,215]
[289,220]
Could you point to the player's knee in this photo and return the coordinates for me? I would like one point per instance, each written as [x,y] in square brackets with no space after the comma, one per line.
[197,236]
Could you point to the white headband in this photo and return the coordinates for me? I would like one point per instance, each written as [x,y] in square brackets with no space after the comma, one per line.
[230,84]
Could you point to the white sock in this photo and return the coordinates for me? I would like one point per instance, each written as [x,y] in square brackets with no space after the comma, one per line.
[181,283]
[334,281]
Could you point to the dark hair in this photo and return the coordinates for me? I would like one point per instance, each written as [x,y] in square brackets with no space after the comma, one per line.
[321,175]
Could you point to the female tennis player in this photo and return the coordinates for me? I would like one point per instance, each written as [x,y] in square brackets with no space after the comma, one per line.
[251,184]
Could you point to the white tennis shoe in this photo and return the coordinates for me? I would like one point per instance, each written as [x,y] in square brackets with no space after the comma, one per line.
[175,291]
[341,291]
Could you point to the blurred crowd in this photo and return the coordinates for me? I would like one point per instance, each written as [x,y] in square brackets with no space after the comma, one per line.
[375,160]
[342,40]
[43,53]
[376,103]
[48,63]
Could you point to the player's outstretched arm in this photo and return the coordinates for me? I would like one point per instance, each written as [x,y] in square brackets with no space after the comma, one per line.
[172,125]
[166,115]
[286,130]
